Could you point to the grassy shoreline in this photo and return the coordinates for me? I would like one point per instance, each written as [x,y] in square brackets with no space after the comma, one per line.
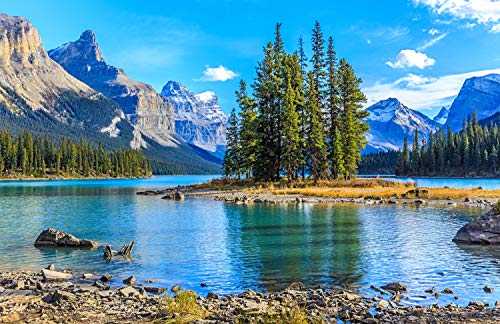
[360,188]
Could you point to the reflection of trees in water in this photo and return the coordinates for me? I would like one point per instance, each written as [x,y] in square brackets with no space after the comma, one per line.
[311,243]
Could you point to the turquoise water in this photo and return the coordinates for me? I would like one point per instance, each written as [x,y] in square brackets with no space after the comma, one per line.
[234,247]
[485,183]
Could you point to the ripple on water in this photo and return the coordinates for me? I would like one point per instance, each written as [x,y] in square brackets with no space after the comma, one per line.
[234,247]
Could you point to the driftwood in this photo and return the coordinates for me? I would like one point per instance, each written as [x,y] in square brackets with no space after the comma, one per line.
[125,251]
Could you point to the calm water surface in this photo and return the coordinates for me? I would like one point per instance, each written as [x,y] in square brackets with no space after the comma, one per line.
[235,247]
[485,183]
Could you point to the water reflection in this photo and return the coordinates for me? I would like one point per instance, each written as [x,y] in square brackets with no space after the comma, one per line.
[236,247]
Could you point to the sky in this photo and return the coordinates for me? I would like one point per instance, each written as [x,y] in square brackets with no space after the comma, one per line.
[419,51]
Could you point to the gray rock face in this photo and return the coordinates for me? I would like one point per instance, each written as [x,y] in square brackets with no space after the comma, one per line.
[391,121]
[52,237]
[442,115]
[198,118]
[479,93]
[483,230]
[149,112]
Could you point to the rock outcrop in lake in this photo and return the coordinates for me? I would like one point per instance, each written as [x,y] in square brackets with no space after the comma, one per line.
[52,237]
[483,230]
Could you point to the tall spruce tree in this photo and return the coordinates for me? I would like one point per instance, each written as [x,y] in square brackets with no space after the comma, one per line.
[248,129]
[353,127]
[316,141]
[319,64]
[333,126]
[232,161]
[291,141]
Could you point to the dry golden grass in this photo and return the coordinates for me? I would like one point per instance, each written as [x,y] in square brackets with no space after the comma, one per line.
[357,188]
[183,308]
[387,192]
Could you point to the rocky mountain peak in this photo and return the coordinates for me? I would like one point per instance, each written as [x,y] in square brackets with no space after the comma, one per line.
[26,68]
[176,90]
[442,115]
[84,49]
[477,93]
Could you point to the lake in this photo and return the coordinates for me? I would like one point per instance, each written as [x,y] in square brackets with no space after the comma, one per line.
[232,248]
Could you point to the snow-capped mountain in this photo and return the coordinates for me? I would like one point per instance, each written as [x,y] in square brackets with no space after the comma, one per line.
[479,93]
[391,121]
[198,118]
[442,115]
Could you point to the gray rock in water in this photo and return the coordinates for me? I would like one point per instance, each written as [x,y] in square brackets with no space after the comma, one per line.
[176,289]
[52,237]
[174,196]
[129,281]
[483,230]
[395,286]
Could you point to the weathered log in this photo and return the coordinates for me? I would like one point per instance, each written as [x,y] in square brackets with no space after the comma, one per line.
[108,253]
[126,249]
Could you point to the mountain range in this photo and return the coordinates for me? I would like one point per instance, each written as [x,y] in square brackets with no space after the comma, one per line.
[72,91]
[391,121]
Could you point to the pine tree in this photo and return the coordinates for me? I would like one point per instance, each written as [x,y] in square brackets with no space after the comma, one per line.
[318,61]
[231,165]
[335,154]
[317,155]
[248,130]
[290,134]
[353,127]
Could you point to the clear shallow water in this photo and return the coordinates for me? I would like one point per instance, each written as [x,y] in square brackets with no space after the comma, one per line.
[235,247]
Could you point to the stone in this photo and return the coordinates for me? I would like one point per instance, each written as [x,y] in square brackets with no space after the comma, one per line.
[129,281]
[296,286]
[176,289]
[203,284]
[382,304]
[488,289]
[63,295]
[52,237]
[106,278]
[55,276]
[431,291]
[154,290]
[87,276]
[395,286]
[51,267]
[212,295]
[447,291]
[177,195]
[476,304]
[483,230]
[129,292]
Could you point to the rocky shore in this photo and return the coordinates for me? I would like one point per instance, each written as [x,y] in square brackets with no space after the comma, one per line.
[83,298]
[244,197]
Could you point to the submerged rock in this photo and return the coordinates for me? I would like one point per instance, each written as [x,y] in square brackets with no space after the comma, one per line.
[52,237]
[54,276]
[174,196]
[483,230]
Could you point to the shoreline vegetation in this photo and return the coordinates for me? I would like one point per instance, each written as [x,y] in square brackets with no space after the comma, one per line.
[74,297]
[365,191]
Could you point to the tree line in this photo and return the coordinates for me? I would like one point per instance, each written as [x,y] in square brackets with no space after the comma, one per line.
[299,121]
[473,151]
[39,156]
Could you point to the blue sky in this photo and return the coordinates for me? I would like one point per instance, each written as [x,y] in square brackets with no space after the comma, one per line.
[419,51]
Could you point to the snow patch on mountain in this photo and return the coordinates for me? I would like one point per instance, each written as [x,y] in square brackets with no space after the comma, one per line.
[442,115]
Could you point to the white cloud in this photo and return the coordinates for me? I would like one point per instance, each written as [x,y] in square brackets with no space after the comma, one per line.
[433,31]
[410,58]
[369,41]
[470,25]
[220,73]
[480,11]
[421,92]
[432,42]
[495,29]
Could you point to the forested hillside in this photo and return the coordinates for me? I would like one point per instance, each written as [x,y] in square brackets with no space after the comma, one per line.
[39,156]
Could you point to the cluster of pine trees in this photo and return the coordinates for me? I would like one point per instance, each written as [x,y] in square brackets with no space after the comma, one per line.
[378,163]
[298,121]
[29,155]
[471,152]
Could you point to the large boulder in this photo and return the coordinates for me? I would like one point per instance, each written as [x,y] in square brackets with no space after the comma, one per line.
[52,237]
[483,230]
